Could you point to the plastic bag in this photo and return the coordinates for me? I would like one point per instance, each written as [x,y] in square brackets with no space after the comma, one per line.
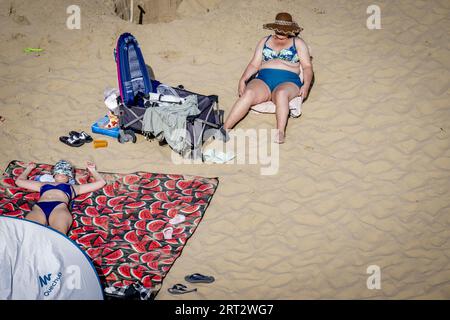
[166,90]
[110,95]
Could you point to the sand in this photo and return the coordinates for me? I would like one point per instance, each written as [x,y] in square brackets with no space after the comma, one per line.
[364,176]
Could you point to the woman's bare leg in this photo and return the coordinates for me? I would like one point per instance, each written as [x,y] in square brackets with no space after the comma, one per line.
[61,219]
[281,96]
[37,215]
[255,92]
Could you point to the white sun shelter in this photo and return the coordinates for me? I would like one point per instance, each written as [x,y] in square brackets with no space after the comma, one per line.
[39,263]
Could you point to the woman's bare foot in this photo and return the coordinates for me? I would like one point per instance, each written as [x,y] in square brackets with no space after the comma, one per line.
[279,137]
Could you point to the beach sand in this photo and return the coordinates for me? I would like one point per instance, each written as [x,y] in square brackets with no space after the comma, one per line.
[364,176]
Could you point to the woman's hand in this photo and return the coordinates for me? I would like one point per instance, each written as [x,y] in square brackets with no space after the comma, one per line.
[241,88]
[22,181]
[93,186]
[93,171]
[90,166]
[304,91]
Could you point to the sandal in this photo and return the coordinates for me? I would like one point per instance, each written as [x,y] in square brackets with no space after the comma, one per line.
[71,141]
[199,278]
[180,289]
[179,218]
[168,232]
[83,136]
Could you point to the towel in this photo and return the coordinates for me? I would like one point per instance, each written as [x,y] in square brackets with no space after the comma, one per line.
[295,107]
[169,120]
[215,156]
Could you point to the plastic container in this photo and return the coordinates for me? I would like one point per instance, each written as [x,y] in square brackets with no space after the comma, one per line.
[97,128]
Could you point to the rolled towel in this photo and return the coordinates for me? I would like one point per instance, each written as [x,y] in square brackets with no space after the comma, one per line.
[295,107]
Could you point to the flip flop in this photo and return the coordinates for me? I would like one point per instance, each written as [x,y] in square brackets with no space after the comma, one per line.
[71,141]
[83,136]
[180,289]
[179,218]
[167,232]
[199,278]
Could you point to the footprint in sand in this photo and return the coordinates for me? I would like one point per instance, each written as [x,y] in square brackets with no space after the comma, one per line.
[22,20]
[17,36]
[319,11]
[170,55]
[2,119]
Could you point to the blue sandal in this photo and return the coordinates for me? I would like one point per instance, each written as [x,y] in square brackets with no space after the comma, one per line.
[199,278]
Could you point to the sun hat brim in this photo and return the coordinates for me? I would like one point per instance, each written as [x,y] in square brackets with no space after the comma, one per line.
[291,30]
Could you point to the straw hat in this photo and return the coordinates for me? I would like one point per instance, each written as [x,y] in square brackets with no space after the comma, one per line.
[284,24]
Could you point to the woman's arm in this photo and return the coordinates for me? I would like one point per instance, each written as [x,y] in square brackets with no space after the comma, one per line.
[252,67]
[94,186]
[23,182]
[305,61]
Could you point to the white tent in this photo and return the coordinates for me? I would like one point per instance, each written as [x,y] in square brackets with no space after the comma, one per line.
[39,263]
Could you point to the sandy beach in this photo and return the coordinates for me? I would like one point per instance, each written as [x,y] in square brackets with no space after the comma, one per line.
[364,175]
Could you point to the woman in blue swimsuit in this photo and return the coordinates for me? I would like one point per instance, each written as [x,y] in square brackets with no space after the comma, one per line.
[53,206]
[276,63]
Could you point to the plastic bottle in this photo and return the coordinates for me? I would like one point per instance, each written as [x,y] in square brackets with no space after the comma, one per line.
[100,144]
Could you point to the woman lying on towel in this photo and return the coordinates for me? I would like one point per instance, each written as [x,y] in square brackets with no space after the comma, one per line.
[53,206]
[276,63]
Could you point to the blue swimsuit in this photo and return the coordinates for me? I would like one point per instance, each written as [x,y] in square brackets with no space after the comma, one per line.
[48,206]
[275,77]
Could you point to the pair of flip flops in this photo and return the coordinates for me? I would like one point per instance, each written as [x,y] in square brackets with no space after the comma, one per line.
[192,278]
[76,139]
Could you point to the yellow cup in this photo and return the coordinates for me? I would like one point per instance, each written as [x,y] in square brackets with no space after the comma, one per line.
[100,144]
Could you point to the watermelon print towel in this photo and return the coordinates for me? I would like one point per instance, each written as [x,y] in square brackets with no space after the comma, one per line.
[121,226]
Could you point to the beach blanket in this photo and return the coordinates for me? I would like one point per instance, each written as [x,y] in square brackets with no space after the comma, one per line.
[121,226]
